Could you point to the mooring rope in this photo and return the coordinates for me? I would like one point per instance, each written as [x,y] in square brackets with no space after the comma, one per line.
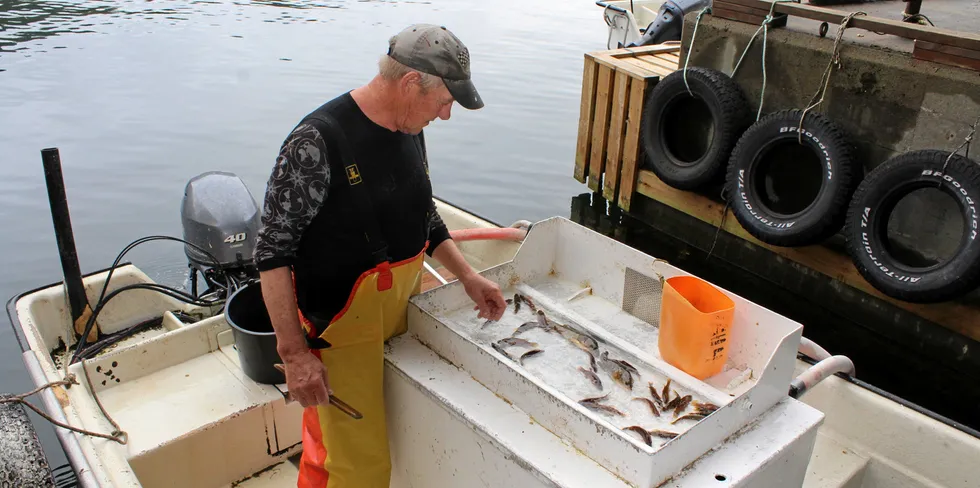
[764,28]
[834,60]
[966,143]
[690,47]
[117,435]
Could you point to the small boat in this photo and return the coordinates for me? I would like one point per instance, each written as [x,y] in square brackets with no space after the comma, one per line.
[164,398]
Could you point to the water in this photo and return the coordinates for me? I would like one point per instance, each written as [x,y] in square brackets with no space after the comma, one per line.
[141,96]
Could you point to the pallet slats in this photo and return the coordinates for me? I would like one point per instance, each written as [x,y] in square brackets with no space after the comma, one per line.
[585,119]
[614,86]
[600,125]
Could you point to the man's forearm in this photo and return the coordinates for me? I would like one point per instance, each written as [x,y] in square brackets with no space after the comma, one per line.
[450,256]
[280,301]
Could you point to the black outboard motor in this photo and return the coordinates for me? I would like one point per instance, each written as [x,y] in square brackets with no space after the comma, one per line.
[669,22]
[219,215]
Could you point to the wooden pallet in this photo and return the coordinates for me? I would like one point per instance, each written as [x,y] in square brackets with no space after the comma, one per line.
[614,86]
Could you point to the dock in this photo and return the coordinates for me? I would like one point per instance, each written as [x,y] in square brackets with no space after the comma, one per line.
[899,87]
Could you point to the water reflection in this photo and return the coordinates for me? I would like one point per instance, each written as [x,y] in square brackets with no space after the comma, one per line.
[22,22]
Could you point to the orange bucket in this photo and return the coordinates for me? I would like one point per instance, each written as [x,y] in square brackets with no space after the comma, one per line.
[694,321]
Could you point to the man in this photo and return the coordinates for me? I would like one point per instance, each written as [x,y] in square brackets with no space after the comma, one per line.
[348,218]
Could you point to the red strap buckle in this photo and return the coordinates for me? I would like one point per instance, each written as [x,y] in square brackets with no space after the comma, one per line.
[385,277]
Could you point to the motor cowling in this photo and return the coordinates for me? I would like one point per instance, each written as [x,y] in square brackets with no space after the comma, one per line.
[219,214]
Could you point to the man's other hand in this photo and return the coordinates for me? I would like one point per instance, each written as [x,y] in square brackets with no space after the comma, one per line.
[306,379]
[486,294]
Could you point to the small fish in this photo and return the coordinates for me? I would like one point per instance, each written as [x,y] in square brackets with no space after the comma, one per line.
[603,408]
[588,342]
[532,352]
[509,301]
[682,404]
[663,433]
[592,362]
[624,378]
[517,341]
[690,416]
[672,404]
[643,433]
[530,304]
[497,347]
[594,399]
[655,395]
[486,323]
[666,392]
[542,319]
[704,408]
[517,302]
[629,367]
[526,326]
[653,407]
[596,382]
[579,344]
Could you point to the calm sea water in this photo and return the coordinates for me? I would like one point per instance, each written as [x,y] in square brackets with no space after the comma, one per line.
[141,96]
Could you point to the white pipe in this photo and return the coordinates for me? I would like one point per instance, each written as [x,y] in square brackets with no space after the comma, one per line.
[819,372]
[73,450]
[433,272]
[813,349]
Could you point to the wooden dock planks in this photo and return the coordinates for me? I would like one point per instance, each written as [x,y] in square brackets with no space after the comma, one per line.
[614,86]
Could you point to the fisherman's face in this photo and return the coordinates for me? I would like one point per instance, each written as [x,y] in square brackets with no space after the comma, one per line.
[425,105]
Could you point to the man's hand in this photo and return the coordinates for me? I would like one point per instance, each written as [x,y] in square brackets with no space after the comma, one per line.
[306,378]
[486,294]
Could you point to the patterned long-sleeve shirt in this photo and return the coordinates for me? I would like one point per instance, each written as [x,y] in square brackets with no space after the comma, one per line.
[295,191]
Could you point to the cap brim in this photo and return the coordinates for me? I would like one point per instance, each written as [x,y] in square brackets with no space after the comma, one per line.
[465,93]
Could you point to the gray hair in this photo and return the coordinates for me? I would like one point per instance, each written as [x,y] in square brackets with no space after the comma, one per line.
[391,70]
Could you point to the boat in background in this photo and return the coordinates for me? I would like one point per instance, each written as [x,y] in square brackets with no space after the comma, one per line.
[164,386]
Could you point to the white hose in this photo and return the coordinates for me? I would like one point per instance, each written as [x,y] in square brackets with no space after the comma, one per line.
[819,372]
[813,349]
[434,273]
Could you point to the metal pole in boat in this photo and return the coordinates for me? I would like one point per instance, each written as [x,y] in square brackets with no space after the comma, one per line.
[77,301]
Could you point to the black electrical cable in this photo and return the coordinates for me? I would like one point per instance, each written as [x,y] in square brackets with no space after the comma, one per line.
[161,288]
[171,292]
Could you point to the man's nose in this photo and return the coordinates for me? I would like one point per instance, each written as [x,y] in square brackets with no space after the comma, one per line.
[444,113]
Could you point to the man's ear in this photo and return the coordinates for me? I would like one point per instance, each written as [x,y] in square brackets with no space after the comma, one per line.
[410,81]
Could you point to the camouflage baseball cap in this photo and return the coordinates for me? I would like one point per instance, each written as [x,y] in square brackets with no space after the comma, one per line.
[434,50]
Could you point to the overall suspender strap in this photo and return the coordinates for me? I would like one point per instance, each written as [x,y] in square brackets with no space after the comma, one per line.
[362,200]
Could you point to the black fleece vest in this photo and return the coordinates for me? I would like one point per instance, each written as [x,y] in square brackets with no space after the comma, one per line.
[393,171]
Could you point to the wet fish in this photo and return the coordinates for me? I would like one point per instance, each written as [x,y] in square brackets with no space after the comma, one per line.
[643,433]
[532,352]
[624,378]
[672,404]
[603,408]
[526,326]
[587,342]
[653,407]
[629,367]
[594,378]
[497,347]
[530,304]
[665,397]
[704,408]
[517,302]
[517,341]
[690,416]
[663,433]
[682,404]
[594,399]
[486,323]
[542,319]
[592,362]
[655,395]
[509,301]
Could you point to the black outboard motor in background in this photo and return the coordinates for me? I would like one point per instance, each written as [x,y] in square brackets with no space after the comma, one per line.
[669,22]
[219,214]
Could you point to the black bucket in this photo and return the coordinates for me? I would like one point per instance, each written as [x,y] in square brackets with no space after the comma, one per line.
[255,338]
